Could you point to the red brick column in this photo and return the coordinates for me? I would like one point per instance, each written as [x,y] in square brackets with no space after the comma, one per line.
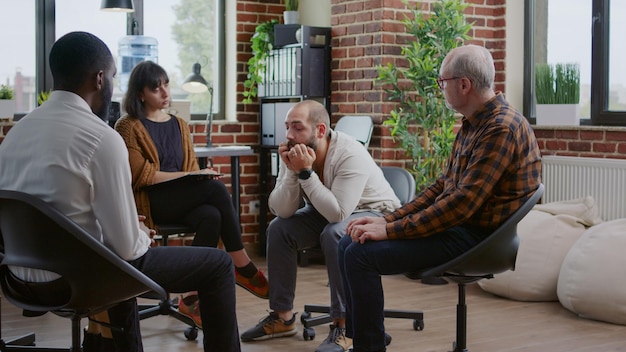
[368,33]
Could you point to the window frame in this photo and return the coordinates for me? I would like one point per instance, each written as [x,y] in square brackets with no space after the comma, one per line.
[600,115]
[46,36]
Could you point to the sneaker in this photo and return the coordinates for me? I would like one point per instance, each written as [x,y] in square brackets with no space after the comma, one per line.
[257,285]
[271,327]
[190,309]
[336,341]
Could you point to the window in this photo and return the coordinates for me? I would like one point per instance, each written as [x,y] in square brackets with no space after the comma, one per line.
[17,62]
[589,33]
[187,31]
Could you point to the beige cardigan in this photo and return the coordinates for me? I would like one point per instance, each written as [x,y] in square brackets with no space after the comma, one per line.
[352,183]
[144,159]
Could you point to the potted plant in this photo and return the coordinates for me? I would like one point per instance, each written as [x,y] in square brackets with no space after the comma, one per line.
[290,15]
[7,103]
[43,96]
[262,43]
[557,89]
[421,122]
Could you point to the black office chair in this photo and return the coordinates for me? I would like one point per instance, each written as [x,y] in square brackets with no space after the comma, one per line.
[403,185]
[93,278]
[495,254]
[167,305]
[358,126]
[23,340]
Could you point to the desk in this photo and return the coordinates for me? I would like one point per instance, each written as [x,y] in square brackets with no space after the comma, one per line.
[203,153]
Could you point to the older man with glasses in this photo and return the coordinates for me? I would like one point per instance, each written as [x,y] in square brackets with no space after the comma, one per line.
[494,167]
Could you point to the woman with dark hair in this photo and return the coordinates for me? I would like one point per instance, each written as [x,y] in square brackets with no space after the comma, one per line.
[160,149]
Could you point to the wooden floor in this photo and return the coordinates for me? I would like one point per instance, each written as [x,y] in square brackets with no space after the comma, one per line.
[495,324]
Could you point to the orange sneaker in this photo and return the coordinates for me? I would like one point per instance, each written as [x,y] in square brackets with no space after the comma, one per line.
[192,310]
[257,285]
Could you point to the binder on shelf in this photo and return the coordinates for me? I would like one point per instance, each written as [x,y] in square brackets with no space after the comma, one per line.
[273,130]
[295,68]
[274,163]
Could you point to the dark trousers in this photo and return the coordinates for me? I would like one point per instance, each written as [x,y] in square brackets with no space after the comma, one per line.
[362,264]
[203,205]
[181,269]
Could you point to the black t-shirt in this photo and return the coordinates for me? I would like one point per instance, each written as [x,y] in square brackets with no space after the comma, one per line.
[168,141]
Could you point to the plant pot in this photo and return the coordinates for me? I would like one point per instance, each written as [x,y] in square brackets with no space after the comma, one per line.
[7,108]
[557,114]
[291,17]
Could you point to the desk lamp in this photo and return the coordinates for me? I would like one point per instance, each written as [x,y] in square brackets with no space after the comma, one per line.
[195,83]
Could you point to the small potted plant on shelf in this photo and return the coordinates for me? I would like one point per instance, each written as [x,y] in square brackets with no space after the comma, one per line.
[557,89]
[7,103]
[290,15]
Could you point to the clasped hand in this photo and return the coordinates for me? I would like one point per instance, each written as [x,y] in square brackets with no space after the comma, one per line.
[298,157]
[371,228]
[145,229]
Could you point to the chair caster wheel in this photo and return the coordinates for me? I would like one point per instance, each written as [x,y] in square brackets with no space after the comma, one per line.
[418,325]
[191,334]
[304,316]
[308,334]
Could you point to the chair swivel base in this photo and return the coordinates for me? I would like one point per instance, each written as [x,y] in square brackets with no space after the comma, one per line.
[309,321]
[16,342]
[168,307]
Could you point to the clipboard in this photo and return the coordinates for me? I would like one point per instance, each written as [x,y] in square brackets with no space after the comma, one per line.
[183,180]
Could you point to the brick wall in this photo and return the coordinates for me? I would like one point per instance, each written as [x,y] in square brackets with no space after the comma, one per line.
[5,126]
[593,142]
[370,33]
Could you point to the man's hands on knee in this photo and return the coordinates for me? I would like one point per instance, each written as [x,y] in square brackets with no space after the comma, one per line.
[371,228]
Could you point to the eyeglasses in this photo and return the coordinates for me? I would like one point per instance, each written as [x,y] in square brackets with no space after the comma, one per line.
[441,80]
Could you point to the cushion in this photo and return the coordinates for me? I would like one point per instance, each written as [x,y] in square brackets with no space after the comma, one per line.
[546,234]
[592,283]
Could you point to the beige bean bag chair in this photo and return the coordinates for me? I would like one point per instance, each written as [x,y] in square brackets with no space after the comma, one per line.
[592,282]
[546,235]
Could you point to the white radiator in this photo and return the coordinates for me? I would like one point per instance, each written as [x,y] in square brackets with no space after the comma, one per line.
[568,178]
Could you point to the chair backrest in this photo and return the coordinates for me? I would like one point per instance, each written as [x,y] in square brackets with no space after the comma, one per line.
[358,126]
[36,235]
[495,254]
[401,181]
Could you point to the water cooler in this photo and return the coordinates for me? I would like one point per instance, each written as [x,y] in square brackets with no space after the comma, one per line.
[134,49]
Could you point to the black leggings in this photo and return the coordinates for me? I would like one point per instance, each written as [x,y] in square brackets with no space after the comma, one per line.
[203,205]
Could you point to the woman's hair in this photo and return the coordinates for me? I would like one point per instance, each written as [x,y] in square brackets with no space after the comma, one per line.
[475,63]
[144,74]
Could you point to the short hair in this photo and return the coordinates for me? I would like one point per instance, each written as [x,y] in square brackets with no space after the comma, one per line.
[317,113]
[474,62]
[75,57]
[144,74]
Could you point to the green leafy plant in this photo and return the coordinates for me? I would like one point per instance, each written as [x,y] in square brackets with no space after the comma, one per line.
[6,92]
[557,84]
[43,96]
[421,123]
[291,5]
[262,43]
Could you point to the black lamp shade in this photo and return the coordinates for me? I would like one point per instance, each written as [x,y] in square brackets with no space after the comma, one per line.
[117,5]
[195,83]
